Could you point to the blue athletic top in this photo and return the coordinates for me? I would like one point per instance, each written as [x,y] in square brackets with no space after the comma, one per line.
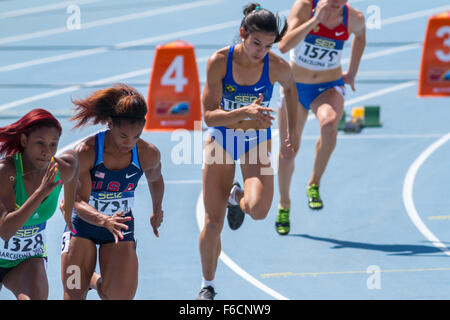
[113,190]
[236,96]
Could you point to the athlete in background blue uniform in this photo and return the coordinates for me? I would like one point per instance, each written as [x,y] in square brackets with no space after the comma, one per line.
[111,163]
[236,96]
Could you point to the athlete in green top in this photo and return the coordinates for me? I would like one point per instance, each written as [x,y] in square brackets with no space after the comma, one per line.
[30,178]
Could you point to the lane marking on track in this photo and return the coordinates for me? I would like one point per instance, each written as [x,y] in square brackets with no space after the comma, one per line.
[447,217]
[408,199]
[147,71]
[50,7]
[90,84]
[108,21]
[200,217]
[315,274]
[181,34]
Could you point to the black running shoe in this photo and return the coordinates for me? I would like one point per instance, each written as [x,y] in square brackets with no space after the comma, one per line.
[235,215]
[207,293]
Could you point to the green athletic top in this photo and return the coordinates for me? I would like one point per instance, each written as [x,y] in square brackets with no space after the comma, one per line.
[29,241]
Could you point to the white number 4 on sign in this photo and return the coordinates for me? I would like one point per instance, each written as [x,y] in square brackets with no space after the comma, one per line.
[174,75]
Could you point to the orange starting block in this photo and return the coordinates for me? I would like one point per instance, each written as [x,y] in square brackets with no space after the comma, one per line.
[434,79]
[174,89]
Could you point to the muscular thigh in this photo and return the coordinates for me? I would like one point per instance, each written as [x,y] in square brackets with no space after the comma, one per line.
[119,264]
[302,117]
[80,256]
[258,178]
[328,106]
[27,277]
[217,182]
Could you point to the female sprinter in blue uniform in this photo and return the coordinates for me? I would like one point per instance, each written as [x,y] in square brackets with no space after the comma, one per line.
[31,176]
[236,96]
[111,164]
[316,35]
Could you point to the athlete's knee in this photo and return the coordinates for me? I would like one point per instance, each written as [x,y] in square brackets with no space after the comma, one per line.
[40,293]
[258,210]
[213,225]
[328,128]
[120,295]
[34,292]
[74,295]
[287,156]
[119,290]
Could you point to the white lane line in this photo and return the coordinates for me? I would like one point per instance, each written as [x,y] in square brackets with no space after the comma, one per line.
[378,73]
[220,26]
[58,92]
[200,216]
[414,15]
[408,199]
[89,84]
[50,7]
[371,95]
[61,57]
[386,52]
[374,136]
[108,21]
[152,40]
[177,35]
[380,92]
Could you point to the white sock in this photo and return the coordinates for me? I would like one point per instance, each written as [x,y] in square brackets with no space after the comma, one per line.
[232,198]
[206,283]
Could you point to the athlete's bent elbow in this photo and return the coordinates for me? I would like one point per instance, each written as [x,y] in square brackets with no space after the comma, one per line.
[209,119]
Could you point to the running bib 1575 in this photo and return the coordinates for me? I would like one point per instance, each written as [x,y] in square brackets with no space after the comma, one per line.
[318,53]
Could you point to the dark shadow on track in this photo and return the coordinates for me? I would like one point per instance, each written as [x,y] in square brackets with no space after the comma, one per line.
[392,249]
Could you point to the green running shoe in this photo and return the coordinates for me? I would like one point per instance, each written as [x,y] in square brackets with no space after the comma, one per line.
[282,225]
[314,200]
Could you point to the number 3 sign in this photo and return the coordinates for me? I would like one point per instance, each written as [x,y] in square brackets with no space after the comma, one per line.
[434,79]
[174,90]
